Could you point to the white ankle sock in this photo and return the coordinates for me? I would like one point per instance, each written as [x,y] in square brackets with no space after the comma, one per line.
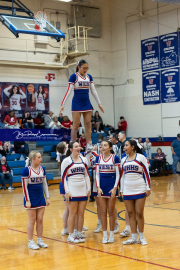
[31,240]
[104,233]
[111,233]
[38,239]
[99,222]
[141,235]
[70,234]
[127,228]
[134,236]
[116,222]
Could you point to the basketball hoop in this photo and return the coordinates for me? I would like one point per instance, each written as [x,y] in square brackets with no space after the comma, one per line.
[40,19]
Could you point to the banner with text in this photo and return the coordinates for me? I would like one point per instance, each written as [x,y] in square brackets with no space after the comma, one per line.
[150,54]
[151,88]
[170,85]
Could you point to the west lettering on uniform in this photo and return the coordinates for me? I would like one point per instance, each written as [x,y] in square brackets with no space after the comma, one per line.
[106,167]
[78,169]
[130,168]
[36,179]
[84,83]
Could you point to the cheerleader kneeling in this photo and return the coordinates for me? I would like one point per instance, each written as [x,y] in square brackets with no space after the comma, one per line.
[135,187]
[76,183]
[34,186]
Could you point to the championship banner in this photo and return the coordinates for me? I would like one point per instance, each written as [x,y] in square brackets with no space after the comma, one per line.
[170,85]
[22,97]
[35,135]
[149,54]
[169,50]
[151,88]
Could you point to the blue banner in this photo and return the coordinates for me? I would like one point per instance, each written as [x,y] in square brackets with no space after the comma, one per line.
[169,50]
[34,134]
[151,88]
[170,85]
[149,54]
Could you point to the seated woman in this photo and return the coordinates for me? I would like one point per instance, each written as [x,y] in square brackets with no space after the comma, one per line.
[66,123]
[98,122]
[39,121]
[159,158]
[55,124]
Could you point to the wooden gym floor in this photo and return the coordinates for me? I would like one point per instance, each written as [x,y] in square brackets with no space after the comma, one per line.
[162,231]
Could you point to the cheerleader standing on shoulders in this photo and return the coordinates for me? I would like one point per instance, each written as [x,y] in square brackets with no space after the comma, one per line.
[135,187]
[34,186]
[81,82]
[107,176]
[76,183]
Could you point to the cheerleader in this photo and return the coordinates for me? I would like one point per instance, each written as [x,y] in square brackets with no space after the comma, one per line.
[81,82]
[39,97]
[135,187]
[61,151]
[76,183]
[15,95]
[107,176]
[34,186]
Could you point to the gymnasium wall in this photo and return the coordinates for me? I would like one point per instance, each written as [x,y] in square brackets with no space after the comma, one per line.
[100,58]
[128,29]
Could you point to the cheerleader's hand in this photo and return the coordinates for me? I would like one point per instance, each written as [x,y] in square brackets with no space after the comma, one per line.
[113,193]
[88,193]
[148,192]
[68,196]
[101,108]
[100,191]
[28,204]
[61,109]
[121,193]
[47,201]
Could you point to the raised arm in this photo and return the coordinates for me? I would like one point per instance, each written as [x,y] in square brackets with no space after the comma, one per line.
[23,95]
[6,90]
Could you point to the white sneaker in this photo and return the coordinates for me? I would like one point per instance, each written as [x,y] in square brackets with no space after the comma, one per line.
[83,235]
[80,238]
[111,239]
[41,244]
[32,245]
[72,239]
[116,229]
[97,131]
[131,241]
[143,241]
[84,228]
[10,188]
[102,131]
[98,228]
[65,232]
[125,233]
[105,239]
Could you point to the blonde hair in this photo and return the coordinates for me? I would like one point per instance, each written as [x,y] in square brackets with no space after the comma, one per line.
[32,155]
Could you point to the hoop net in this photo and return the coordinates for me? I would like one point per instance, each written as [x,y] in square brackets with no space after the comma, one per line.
[40,19]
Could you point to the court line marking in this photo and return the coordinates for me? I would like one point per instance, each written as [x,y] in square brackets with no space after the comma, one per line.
[94,249]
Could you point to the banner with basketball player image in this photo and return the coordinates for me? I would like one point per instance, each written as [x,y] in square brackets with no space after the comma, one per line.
[169,50]
[151,88]
[22,97]
[170,85]
[150,54]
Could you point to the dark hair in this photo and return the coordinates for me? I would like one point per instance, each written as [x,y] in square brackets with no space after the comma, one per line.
[12,93]
[110,146]
[11,112]
[100,137]
[70,146]
[139,138]
[39,91]
[39,116]
[136,148]
[80,63]
[122,117]
[115,136]
[60,149]
[159,149]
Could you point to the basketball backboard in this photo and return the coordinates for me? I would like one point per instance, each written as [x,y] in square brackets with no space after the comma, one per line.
[26,25]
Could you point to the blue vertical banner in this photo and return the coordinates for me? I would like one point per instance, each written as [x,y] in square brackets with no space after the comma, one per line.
[169,50]
[151,88]
[170,85]
[149,54]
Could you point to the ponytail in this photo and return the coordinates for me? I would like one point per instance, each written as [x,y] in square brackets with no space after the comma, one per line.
[80,63]
[70,146]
